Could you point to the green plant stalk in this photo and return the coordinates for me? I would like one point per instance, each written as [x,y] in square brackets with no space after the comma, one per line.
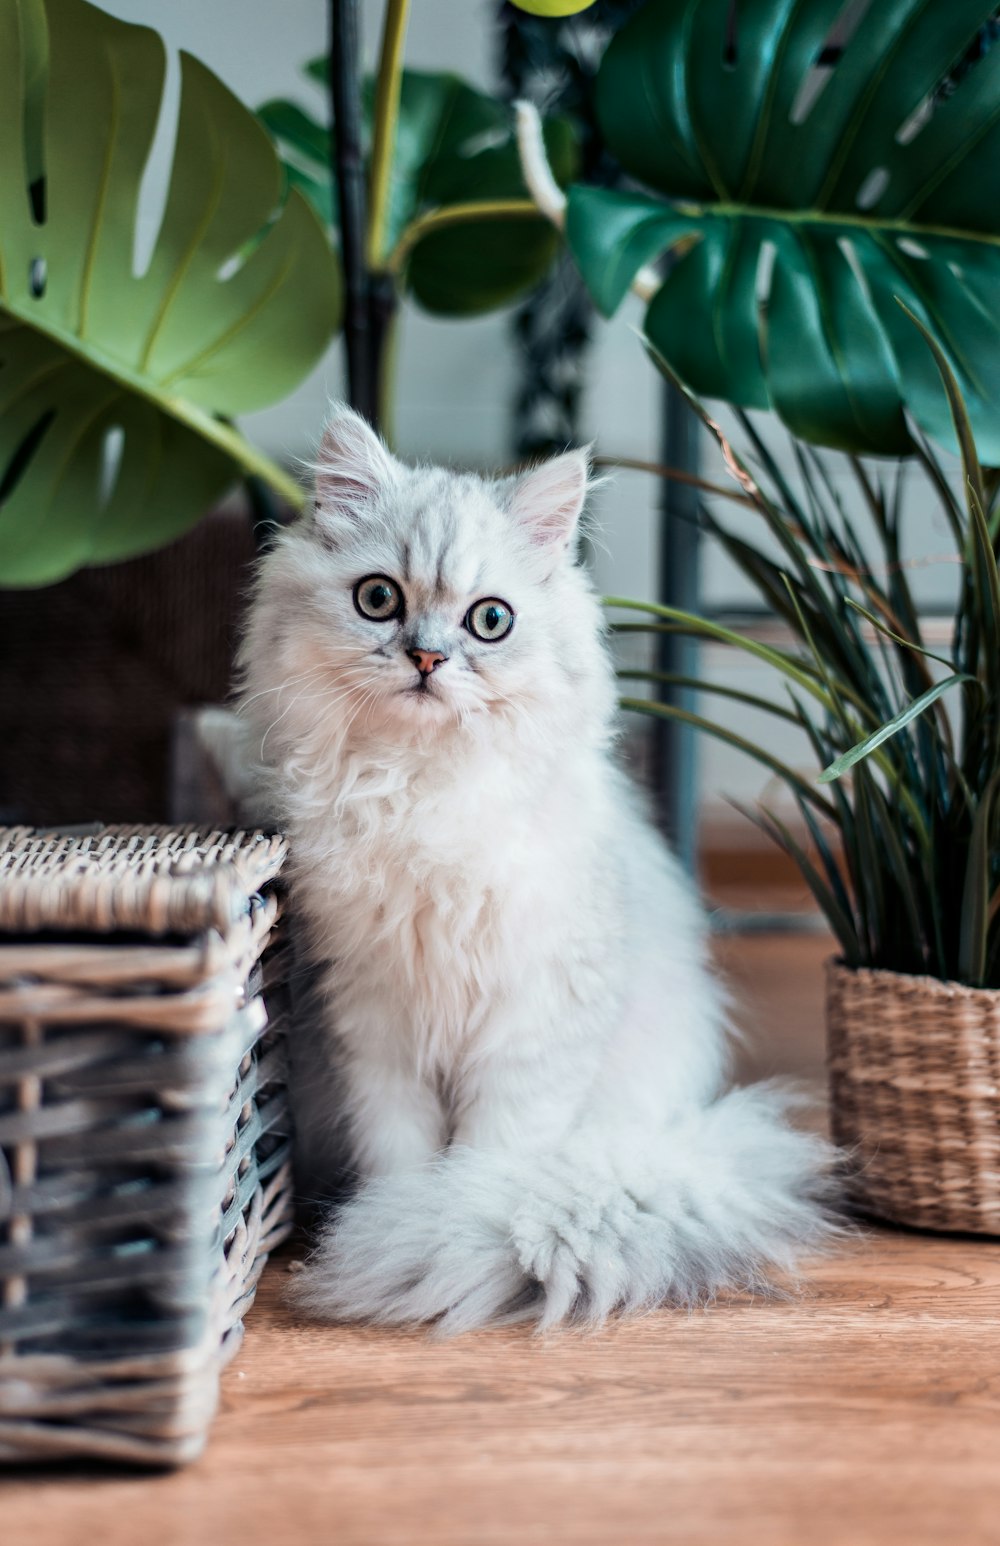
[455,214]
[386,376]
[906,794]
[387,92]
[960,417]
[823,691]
[980,558]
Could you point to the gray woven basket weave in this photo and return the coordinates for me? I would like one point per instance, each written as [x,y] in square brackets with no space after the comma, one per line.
[144,1164]
[914,1068]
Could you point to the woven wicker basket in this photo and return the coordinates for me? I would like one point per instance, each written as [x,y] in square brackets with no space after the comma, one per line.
[144,1167]
[914,1069]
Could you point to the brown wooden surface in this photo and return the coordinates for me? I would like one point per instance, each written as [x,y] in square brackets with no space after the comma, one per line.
[864,1412]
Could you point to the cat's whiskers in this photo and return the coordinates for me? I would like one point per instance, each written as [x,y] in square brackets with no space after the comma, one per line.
[316,670]
[345,728]
[277,721]
[329,697]
[292,681]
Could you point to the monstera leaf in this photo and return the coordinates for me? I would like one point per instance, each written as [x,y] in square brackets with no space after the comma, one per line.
[115,386]
[454,146]
[805,180]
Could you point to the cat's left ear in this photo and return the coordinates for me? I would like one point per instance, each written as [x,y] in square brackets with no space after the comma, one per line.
[547,501]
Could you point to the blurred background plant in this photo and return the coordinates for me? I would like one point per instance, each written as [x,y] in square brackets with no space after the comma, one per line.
[121,377]
[427,198]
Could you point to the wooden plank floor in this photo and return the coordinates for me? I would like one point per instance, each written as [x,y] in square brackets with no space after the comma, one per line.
[865,1412]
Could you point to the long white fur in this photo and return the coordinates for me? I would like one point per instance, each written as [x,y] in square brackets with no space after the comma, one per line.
[521,1031]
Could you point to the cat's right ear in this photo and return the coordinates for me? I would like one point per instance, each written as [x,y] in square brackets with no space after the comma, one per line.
[352,467]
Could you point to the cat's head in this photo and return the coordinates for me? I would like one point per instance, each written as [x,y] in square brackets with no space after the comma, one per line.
[415,599]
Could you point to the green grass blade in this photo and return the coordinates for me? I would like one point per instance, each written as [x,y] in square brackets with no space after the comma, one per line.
[705,628]
[758,753]
[956,403]
[988,582]
[892,727]
[672,679]
[839,921]
[974,933]
[831,868]
[935,475]
[898,638]
[899,867]
[870,863]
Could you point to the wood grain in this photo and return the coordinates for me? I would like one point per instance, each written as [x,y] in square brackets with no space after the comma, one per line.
[862,1411]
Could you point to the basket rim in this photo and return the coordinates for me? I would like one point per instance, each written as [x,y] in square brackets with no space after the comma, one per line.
[154,880]
[837,969]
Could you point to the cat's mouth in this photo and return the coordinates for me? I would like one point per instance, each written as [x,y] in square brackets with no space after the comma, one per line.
[422,688]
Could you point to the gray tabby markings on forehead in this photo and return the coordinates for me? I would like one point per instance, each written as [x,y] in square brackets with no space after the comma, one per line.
[435,532]
[444,553]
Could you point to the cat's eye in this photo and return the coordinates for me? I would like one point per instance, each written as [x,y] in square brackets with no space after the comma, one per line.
[490,619]
[378,598]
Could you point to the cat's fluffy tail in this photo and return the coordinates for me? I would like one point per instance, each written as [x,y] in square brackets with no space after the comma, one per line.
[726,1197]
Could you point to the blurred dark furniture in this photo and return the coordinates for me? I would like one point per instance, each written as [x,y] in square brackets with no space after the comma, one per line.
[95,671]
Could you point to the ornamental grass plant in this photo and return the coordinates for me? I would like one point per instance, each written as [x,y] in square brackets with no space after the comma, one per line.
[898,839]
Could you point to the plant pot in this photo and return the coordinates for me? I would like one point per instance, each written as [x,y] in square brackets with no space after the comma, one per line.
[914,1066]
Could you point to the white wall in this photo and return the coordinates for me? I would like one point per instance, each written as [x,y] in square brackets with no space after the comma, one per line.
[456,379]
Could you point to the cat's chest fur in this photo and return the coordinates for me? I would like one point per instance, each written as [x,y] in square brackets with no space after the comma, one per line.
[435,886]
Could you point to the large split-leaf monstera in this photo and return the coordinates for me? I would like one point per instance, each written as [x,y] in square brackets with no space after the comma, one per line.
[115,387]
[881,187]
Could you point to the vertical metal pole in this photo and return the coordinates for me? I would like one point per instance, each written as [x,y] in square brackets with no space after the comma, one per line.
[675,748]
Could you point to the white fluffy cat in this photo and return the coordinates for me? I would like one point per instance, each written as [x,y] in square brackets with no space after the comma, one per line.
[528,1045]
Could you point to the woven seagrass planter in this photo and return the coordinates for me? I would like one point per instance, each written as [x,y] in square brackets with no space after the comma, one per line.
[144,1144]
[914,1067]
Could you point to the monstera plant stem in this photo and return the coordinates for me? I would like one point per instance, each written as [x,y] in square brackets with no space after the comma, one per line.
[384,314]
[349,177]
[371,298]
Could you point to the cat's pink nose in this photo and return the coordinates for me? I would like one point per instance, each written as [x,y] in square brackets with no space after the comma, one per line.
[426,660]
